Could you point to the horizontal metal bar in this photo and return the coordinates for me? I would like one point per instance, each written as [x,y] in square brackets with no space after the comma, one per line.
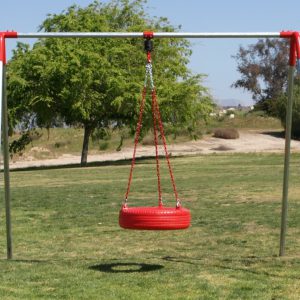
[156,35]
[216,34]
[81,35]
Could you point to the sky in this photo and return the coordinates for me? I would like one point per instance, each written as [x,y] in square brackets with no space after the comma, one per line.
[210,57]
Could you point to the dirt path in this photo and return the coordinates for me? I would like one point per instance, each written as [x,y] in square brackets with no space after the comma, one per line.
[249,141]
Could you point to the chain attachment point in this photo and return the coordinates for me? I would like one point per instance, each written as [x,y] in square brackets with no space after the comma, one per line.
[149,76]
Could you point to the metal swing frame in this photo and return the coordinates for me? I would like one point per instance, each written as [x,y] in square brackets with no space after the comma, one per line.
[294,61]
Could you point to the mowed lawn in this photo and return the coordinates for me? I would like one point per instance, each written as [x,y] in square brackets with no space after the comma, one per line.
[68,245]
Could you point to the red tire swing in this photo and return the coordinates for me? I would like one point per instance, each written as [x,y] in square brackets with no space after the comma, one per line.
[160,217]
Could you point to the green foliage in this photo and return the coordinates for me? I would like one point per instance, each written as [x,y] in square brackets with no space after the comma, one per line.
[101,134]
[103,145]
[280,106]
[17,146]
[96,83]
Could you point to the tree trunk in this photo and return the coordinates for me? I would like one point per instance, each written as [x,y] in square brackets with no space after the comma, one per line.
[85,146]
[48,133]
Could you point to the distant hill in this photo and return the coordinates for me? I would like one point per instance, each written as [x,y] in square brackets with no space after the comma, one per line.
[234,102]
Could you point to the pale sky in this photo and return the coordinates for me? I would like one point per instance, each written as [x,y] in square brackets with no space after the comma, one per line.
[212,57]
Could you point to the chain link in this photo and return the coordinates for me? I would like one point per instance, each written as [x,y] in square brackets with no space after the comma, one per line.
[149,76]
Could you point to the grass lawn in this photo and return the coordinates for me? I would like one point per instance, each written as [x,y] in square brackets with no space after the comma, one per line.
[67,243]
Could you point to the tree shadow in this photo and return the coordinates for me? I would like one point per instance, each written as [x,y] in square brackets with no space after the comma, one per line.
[126,268]
[185,260]
[27,261]
[244,265]
[121,162]
[256,272]
[276,134]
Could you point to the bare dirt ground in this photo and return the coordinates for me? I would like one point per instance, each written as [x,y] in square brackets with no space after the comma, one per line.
[249,141]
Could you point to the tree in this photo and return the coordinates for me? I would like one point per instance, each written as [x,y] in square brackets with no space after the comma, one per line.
[263,68]
[95,83]
[281,108]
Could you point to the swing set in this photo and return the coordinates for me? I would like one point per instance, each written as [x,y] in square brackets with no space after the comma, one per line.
[160,217]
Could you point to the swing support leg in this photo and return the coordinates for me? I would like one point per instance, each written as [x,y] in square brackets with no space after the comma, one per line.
[4,123]
[287,155]
[294,59]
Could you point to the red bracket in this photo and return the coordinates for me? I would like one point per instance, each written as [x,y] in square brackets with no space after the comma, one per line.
[148,35]
[294,37]
[4,35]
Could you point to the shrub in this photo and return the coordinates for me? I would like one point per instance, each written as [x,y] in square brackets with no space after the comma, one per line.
[148,140]
[101,134]
[61,144]
[222,148]
[226,133]
[258,113]
[281,110]
[103,146]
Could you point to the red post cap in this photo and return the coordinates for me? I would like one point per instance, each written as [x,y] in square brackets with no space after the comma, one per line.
[294,37]
[3,36]
[286,34]
[297,42]
[9,34]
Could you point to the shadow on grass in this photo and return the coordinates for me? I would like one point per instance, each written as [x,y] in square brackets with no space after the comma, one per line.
[243,265]
[255,272]
[251,265]
[126,268]
[121,162]
[185,260]
[27,261]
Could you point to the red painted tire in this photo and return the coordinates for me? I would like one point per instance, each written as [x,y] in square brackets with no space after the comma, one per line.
[154,218]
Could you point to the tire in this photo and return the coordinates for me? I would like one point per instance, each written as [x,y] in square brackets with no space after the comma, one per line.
[154,218]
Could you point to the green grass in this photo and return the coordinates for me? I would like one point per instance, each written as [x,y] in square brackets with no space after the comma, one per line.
[67,243]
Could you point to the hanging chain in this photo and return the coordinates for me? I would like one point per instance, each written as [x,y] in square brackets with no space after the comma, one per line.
[157,124]
[162,133]
[136,140]
[149,77]
[154,116]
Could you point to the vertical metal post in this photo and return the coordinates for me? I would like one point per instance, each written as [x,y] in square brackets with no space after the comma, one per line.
[1,97]
[4,121]
[288,128]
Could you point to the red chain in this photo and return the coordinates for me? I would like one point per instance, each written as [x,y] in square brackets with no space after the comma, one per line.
[156,119]
[154,99]
[137,136]
[156,152]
